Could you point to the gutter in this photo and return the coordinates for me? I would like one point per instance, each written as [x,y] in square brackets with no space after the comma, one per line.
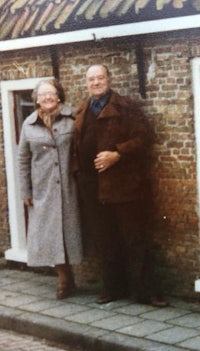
[122,30]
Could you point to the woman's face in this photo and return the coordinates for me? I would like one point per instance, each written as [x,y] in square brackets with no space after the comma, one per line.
[47,97]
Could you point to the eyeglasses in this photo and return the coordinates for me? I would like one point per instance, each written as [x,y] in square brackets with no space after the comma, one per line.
[50,93]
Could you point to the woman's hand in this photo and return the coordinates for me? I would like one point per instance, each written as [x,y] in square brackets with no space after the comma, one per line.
[106,159]
[28,202]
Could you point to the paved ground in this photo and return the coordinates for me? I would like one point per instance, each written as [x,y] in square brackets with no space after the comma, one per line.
[12,341]
[28,305]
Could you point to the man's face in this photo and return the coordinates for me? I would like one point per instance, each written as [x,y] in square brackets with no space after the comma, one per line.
[98,82]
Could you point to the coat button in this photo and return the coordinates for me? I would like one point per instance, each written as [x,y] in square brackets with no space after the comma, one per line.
[57,181]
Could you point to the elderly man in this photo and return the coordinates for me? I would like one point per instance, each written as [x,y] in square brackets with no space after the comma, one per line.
[112,140]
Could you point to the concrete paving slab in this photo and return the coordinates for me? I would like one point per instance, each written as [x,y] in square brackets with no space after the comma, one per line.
[10,312]
[89,316]
[41,305]
[47,291]
[173,335]
[190,319]
[191,306]
[24,286]
[134,309]
[191,344]
[19,300]
[115,322]
[65,310]
[164,314]
[144,328]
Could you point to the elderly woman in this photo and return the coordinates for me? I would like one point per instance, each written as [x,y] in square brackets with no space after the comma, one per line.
[47,185]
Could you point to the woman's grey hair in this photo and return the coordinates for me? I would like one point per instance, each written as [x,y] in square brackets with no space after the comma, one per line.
[55,83]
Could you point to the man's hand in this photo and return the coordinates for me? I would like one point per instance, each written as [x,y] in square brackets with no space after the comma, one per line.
[106,159]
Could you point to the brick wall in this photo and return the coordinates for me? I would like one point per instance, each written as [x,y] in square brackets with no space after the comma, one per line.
[169,106]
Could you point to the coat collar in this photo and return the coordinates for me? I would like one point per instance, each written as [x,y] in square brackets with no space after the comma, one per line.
[66,110]
[110,110]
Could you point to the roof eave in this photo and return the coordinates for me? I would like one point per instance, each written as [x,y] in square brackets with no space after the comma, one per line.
[113,31]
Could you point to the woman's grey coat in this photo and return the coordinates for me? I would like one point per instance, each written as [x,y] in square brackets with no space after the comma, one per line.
[46,176]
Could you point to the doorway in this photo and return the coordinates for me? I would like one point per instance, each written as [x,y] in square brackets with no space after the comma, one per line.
[16,106]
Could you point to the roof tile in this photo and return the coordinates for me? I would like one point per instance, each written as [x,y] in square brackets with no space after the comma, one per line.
[196,4]
[20,23]
[161,3]
[140,4]
[23,18]
[178,4]
[54,17]
[125,7]
[45,15]
[18,4]
[29,23]
[2,3]
[83,7]
[65,13]
[8,25]
[4,16]
[93,9]
[109,7]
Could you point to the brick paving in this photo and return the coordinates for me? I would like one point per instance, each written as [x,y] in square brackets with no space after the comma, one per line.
[28,306]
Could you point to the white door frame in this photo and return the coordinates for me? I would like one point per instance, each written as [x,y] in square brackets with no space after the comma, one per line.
[18,251]
[196,95]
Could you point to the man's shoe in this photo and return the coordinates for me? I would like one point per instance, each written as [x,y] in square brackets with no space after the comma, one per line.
[154,301]
[105,299]
[159,303]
